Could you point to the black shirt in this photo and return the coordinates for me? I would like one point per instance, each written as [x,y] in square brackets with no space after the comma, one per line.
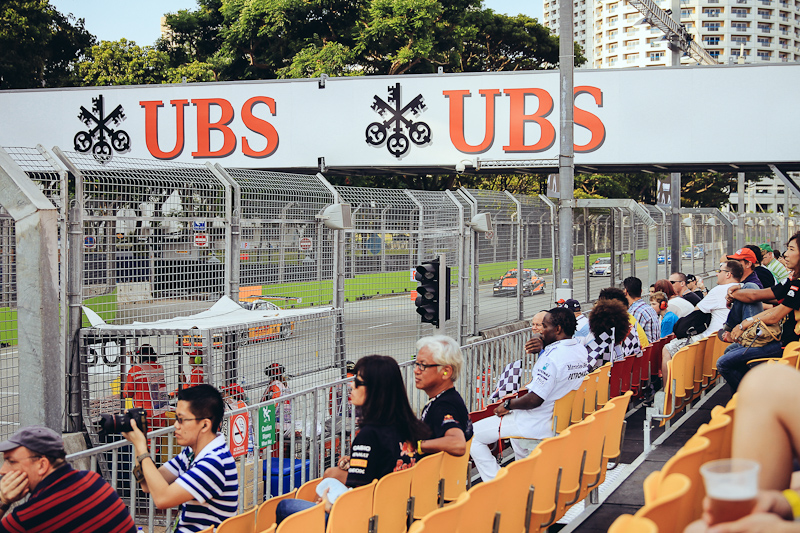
[445,411]
[789,292]
[766,277]
[692,298]
[699,294]
[377,451]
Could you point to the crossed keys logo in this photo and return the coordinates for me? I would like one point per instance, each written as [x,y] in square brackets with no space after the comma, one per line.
[95,138]
[398,142]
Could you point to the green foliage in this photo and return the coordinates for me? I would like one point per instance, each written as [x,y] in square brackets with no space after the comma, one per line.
[333,59]
[39,46]
[123,62]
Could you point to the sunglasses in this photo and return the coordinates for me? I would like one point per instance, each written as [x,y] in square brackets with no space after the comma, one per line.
[358,382]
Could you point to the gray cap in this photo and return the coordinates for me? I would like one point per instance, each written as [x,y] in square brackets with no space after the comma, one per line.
[38,439]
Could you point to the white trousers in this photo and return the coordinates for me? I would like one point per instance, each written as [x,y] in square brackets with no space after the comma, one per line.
[489,431]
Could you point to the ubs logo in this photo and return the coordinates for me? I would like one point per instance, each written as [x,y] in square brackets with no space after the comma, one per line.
[403,128]
[101,139]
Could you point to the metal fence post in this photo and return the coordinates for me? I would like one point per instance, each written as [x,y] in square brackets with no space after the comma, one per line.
[233,207]
[41,368]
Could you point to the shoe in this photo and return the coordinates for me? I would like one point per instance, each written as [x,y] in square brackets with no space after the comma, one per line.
[658,401]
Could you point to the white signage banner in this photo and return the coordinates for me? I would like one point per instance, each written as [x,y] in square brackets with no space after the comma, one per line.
[686,115]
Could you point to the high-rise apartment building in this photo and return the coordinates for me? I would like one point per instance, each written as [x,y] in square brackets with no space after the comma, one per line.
[759,30]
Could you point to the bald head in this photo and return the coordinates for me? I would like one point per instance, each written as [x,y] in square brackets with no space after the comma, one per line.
[537,320]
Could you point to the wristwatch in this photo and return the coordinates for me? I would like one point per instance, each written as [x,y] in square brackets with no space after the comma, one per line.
[507,405]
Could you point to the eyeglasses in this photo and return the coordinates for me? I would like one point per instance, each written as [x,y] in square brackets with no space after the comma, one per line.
[180,420]
[358,382]
[422,366]
[722,270]
[677,281]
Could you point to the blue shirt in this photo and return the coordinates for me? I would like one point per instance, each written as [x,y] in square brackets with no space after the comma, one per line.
[667,323]
[211,478]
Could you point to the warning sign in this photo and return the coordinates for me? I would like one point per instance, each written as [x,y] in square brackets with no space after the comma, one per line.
[266,426]
[306,244]
[238,434]
[564,281]
[201,240]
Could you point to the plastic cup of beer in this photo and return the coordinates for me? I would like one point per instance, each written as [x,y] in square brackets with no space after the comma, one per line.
[732,487]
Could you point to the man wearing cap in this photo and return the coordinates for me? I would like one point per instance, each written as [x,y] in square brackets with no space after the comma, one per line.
[575,306]
[750,280]
[748,259]
[680,285]
[61,499]
[695,286]
[773,265]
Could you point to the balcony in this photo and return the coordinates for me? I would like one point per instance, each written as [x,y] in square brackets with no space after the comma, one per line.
[711,28]
[711,13]
[784,18]
[739,27]
[740,15]
[765,17]
[764,42]
[764,29]
[765,2]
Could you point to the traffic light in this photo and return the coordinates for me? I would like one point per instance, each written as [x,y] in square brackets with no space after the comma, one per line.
[432,285]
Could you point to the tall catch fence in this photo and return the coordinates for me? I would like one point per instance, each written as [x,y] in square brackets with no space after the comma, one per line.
[154,240]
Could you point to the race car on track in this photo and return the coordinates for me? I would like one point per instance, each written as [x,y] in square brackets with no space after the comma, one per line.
[601,267]
[507,285]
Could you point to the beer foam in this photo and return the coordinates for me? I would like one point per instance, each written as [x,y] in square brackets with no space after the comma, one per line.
[732,492]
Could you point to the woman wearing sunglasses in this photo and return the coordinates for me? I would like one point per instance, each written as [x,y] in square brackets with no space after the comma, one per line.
[388,429]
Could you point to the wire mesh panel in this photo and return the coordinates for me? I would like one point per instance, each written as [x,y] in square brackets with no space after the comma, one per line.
[44,172]
[537,248]
[154,237]
[662,218]
[286,253]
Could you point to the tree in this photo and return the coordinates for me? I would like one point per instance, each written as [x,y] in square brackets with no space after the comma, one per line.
[39,46]
[123,62]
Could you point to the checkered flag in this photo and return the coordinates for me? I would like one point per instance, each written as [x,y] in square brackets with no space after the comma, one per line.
[509,381]
[631,345]
[600,348]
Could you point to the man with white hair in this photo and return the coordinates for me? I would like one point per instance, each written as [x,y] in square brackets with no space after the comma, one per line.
[438,363]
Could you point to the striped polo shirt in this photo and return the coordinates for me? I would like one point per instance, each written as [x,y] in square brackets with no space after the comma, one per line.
[74,501]
[211,478]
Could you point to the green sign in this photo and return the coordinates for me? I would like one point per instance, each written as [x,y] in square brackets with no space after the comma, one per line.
[266,426]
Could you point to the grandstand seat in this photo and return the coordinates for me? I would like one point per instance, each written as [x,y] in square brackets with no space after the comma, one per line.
[573,462]
[266,511]
[603,384]
[578,402]
[697,368]
[790,356]
[590,397]
[621,376]
[562,412]
[209,529]
[669,504]
[270,529]
[307,521]
[546,482]
[486,412]
[719,349]
[615,430]
[718,432]
[308,490]
[352,511]
[390,506]
[514,500]
[628,523]
[444,519]
[593,471]
[686,461]
[482,512]
[241,523]
[709,375]
[455,473]
[426,485]
[641,371]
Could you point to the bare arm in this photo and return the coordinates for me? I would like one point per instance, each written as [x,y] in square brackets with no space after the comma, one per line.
[453,442]
[750,295]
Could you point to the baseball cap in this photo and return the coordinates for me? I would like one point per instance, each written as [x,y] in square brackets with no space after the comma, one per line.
[38,439]
[766,247]
[690,278]
[744,254]
[572,304]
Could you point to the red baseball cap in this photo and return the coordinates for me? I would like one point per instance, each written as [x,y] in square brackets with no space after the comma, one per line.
[744,253]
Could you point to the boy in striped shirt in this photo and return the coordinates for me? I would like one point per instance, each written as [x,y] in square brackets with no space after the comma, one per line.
[202,479]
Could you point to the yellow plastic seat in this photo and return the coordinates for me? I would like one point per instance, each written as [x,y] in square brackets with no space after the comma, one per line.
[669,504]
[390,504]
[579,401]
[270,529]
[562,412]
[307,521]
[546,482]
[513,501]
[444,519]
[615,430]
[455,471]
[593,470]
[241,523]
[266,511]
[627,523]
[484,504]
[590,397]
[603,384]
[308,490]
[717,430]
[352,510]
[425,484]
[573,461]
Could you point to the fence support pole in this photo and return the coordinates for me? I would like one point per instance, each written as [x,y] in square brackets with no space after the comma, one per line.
[566,159]
[41,366]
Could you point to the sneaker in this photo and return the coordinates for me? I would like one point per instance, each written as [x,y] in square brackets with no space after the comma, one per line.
[658,401]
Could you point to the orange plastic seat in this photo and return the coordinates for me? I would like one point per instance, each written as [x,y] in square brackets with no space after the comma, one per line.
[669,504]
[241,523]
[390,506]
[308,490]
[484,501]
[590,401]
[687,462]
[426,485]
[352,510]
[513,502]
[578,402]
[266,511]
[603,384]
[307,521]
[615,430]
[717,431]
[546,482]
[455,471]
[562,412]
[444,519]
[594,467]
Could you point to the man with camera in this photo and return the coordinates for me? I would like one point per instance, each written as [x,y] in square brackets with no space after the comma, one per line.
[202,479]
[61,499]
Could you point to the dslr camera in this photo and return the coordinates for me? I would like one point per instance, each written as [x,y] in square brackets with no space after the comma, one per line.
[117,423]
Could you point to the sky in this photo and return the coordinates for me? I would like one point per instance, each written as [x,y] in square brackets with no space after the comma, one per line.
[140,20]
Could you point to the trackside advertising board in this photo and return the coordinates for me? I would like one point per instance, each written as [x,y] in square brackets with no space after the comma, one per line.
[627,116]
